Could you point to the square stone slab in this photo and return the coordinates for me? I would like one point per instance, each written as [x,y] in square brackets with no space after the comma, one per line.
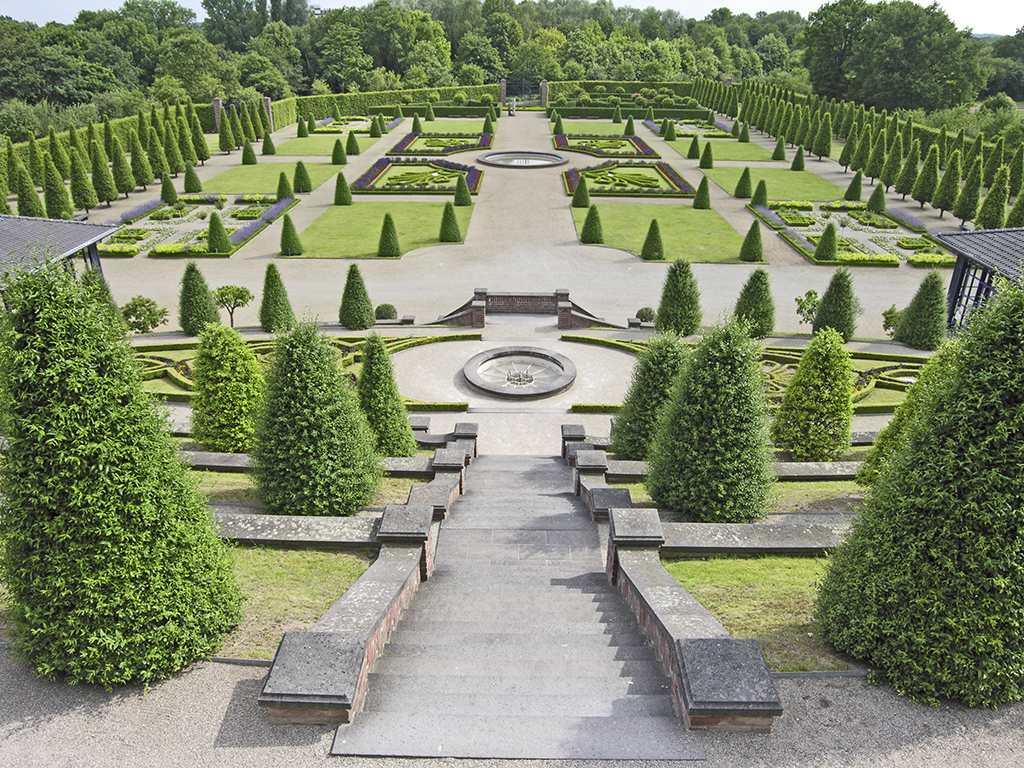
[404,522]
[636,526]
[727,676]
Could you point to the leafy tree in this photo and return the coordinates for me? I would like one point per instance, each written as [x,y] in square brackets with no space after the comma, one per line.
[756,306]
[342,192]
[893,164]
[707,159]
[230,298]
[679,310]
[226,137]
[462,194]
[228,386]
[381,402]
[650,387]
[752,248]
[702,200]
[715,428]
[142,315]
[83,195]
[922,325]
[966,206]
[450,232]
[284,188]
[276,315]
[938,617]
[196,307]
[855,189]
[356,312]
[813,422]
[55,194]
[102,178]
[580,195]
[653,248]
[592,233]
[838,307]
[949,187]
[387,245]
[992,214]
[876,203]
[115,572]
[743,185]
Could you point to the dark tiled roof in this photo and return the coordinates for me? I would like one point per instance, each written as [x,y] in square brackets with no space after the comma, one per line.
[25,240]
[1000,250]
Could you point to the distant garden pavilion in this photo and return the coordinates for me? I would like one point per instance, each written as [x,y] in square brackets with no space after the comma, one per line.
[981,257]
[27,242]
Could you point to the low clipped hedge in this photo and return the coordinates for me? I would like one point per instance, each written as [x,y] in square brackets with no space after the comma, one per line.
[432,407]
[595,408]
[928,260]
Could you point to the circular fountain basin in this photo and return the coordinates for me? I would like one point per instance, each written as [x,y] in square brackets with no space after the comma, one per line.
[520,373]
[523,159]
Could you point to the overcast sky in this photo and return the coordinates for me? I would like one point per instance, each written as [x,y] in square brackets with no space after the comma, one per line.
[999,17]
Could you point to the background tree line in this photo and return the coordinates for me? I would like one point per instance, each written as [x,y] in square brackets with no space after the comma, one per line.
[112,62]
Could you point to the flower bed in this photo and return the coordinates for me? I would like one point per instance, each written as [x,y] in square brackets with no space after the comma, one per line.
[406,175]
[869,219]
[171,213]
[122,250]
[193,244]
[441,144]
[768,216]
[617,179]
[806,246]
[141,211]
[793,218]
[844,205]
[907,220]
[794,205]
[605,146]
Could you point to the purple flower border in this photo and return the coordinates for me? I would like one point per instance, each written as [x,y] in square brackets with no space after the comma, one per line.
[139,211]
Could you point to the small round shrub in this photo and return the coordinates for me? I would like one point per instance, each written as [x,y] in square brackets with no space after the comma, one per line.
[645,314]
[385,312]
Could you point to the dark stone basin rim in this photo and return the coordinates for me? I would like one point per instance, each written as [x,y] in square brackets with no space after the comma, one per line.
[562,383]
[552,158]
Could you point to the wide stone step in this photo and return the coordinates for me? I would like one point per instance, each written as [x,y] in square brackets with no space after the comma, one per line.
[504,685]
[440,627]
[532,608]
[539,537]
[541,520]
[524,704]
[538,653]
[536,636]
[390,663]
[383,734]
[469,578]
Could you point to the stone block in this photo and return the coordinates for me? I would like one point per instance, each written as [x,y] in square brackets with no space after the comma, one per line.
[724,679]
[449,458]
[571,449]
[591,461]
[315,671]
[466,430]
[635,527]
[603,500]
[419,423]
[405,522]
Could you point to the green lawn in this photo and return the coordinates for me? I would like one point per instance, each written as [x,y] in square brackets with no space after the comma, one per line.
[317,146]
[693,235]
[768,598]
[263,177]
[353,231]
[783,184]
[724,149]
[601,127]
[452,125]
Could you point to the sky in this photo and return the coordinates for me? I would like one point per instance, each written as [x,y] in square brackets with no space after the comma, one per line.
[997,17]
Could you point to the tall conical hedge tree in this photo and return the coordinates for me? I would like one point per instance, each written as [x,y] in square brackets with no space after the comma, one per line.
[653,248]
[702,200]
[1017,172]
[188,150]
[752,248]
[813,422]
[876,162]
[893,165]
[911,167]
[356,311]
[849,148]
[55,194]
[83,195]
[760,194]
[670,131]
[462,194]
[450,232]
[308,402]
[226,137]
[248,131]
[388,246]
[1016,216]
[617,115]
[248,153]
[581,195]
[352,144]
[876,203]
[679,309]
[175,162]
[276,315]
[838,306]
[301,183]
[928,178]
[743,188]
[966,206]
[827,248]
[707,158]
[855,188]
[124,179]
[592,232]
[102,178]
[342,192]
[863,153]
[192,183]
[949,186]
[284,188]
[376,127]
[227,391]
[142,171]
[381,402]
[798,160]
[993,160]
[199,144]
[114,570]
[290,243]
[922,324]
[629,130]
[714,428]
[157,159]
[823,139]
[693,151]
[558,128]
[338,156]
[36,166]
[992,213]
[268,147]
[167,192]
[933,601]
[780,149]
[217,240]
[59,154]
[650,387]
[755,304]
[236,128]
[195,303]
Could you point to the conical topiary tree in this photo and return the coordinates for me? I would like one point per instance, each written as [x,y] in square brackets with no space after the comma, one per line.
[381,403]
[58,154]
[342,192]
[558,128]
[1016,172]
[922,325]
[863,153]
[592,232]
[430,113]
[743,186]
[113,569]
[949,187]
[268,145]
[780,149]
[679,310]
[966,206]
[236,128]
[276,315]
[192,183]
[893,164]
[670,131]
[855,188]
[227,390]
[908,176]
[225,136]
[387,245]
[450,232]
[55,194]
[488,125]
[932,601]
[993,160]
[693,151]
[798,160]
[301,183]
[302,129]
[338,156]
[376,127]
[849,148]
[142,171]
[822,146]
[1016,216]
[290,243]
[752,248]
[124,180]
[813,422]
[356,312]
[707,159]
[744,137]
[188,150]
[653,376]
[653,248]
[838,307]
[462,194]
[157,159]
[308,402]
[755,306]
[36,166]
[217,240]
[760,194]
[352,144]
[248,153]
[702,200]
[248,131]
[714,428]
[580,195]
[876,162]
[629,130]
[992,213]
[195,304]
[167,192]
[876,203]
[310,124]
[284,188]
[102,177]
[83,195]
[199,144]
[617,115]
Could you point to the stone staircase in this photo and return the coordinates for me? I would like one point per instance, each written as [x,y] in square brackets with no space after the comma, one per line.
[518,647]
